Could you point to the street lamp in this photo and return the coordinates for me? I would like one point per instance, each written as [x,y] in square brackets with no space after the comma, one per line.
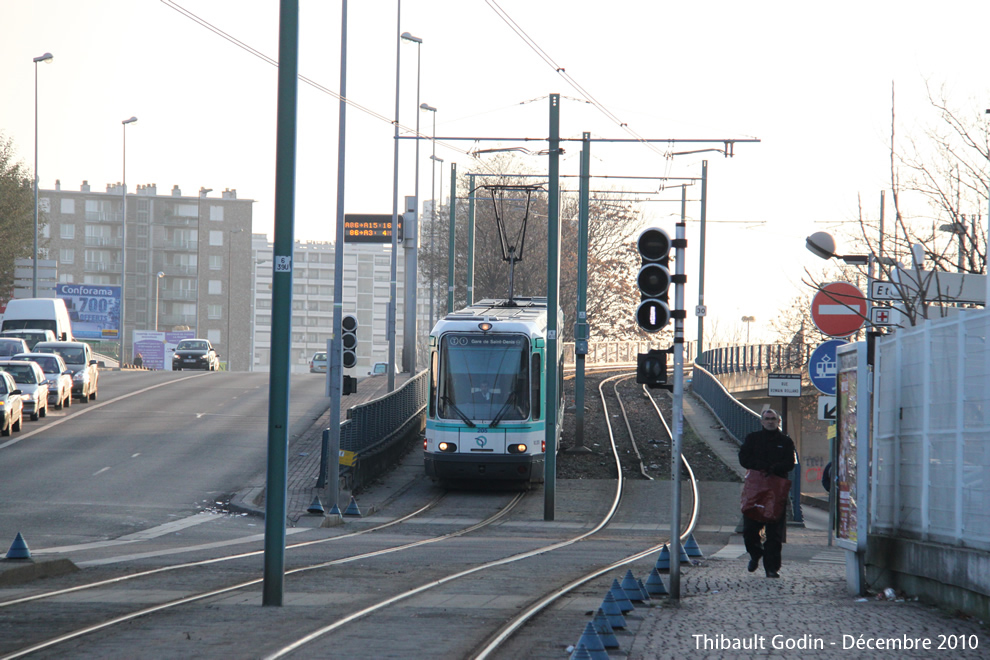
[226,341]
[433,201]
[157,282]
[747,320]
[47,57]
[959,229]
[199,237]
[123,235]
[411,239]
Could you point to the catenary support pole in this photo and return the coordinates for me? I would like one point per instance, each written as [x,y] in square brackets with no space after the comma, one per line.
[335,371]
[680,244]
[470,242]
[278,382]
[553,320]
[393,273]
[452,245]
[701,261]
[581,323]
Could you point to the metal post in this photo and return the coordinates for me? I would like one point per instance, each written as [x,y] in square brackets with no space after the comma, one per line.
[331,439]
[123,239]
[433,206]
[158,281]
[393,272]
[278,381]
[701,256]
[226,340]
[199,252]
[410,235]
[47,57]
[581,324]
[553,294]
[678,409]
[470,242]
[451,249]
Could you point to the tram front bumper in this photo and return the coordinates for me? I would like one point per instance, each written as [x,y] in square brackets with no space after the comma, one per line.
[490,468]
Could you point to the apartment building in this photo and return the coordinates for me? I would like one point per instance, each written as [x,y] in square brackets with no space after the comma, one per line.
[367,276]
[200,246]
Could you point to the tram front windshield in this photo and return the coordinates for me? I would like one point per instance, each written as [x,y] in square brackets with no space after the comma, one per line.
[484,377]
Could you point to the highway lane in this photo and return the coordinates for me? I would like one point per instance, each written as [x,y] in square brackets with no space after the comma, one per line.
[155,447]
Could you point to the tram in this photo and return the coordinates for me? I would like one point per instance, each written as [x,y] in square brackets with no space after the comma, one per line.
[487,410]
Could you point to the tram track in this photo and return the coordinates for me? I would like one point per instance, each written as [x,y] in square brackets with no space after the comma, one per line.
[566,582]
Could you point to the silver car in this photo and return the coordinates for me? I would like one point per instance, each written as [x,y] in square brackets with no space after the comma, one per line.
[31,381]
[11,407]
[58,376]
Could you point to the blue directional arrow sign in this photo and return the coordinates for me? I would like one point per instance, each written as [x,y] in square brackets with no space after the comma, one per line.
[823,366]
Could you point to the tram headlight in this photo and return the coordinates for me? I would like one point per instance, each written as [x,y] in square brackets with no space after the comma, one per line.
[447,447]
[517,449]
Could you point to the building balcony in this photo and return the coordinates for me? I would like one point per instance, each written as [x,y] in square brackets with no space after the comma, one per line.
[178,244]
[103,216]
[179,221]
[102,241]
[177,319]
[174,269]
[179,294]
[101,267]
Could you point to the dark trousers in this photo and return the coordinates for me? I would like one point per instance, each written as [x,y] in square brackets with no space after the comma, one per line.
[770,549]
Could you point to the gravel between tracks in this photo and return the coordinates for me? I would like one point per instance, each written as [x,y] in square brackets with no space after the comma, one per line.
[651,438]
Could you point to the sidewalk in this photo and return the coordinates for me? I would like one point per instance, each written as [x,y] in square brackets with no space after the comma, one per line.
[725,611]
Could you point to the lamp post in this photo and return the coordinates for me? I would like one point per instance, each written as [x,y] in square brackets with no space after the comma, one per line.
[158,280]
[226,341]
[747,320]
[433,202]
[199,238]
[411,241]
[47,57]
[959,229]
[123,235]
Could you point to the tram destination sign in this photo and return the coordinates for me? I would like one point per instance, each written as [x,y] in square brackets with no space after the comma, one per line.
[369,228]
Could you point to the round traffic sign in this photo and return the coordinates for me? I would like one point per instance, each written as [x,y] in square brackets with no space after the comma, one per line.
[838,309]
[824,365]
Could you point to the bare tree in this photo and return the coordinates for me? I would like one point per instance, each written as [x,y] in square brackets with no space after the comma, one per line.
[16,215]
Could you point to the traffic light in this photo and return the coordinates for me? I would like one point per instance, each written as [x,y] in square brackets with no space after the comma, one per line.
[651,368]
[653,312]
[348,337]
[349,385]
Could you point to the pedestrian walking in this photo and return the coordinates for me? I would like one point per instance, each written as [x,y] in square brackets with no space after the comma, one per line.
[771,452]
[138,360]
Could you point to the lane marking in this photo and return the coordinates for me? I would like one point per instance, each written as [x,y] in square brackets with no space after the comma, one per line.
[92,406]
[101,471]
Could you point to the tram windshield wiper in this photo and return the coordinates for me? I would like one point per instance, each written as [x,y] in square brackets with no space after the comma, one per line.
[505,409]
[458,411]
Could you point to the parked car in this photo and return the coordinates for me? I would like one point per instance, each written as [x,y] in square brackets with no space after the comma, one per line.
[30,336]
[59,377]
[195,354]
[11,407]
[318,365]
[78,357]
[12,346]
[381,368]
[31,381]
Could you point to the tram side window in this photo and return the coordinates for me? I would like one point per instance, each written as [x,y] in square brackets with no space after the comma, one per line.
[433,385]
[536,389]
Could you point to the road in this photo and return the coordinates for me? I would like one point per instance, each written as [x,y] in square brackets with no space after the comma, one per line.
[154,448]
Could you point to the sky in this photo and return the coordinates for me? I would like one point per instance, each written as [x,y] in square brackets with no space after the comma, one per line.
[811,81]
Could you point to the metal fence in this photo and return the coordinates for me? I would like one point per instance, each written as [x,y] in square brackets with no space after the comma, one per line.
[375,422]
[759,357]
[737,419]
[616,352]
[931,424]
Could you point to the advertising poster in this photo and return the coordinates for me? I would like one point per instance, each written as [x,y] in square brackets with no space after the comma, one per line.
[94,310]
[847,443]
[157,348]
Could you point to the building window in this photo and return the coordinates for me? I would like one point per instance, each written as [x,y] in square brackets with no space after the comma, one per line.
[67,230]
[216,213]
[67,256]
[216,237]
[65,278]
[216,287]
[214,311]
[216,262]
[213,336]
[68,206]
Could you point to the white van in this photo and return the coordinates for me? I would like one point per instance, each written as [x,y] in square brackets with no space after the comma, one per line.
[38,314]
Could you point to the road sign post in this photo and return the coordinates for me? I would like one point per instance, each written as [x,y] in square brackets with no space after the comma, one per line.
[838,309]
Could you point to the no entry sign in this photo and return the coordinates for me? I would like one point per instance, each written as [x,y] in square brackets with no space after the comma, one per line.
[838,309]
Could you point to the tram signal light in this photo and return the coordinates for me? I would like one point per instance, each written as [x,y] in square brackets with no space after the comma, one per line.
[651,368]
[653,280]
[348,338]
[349,385]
